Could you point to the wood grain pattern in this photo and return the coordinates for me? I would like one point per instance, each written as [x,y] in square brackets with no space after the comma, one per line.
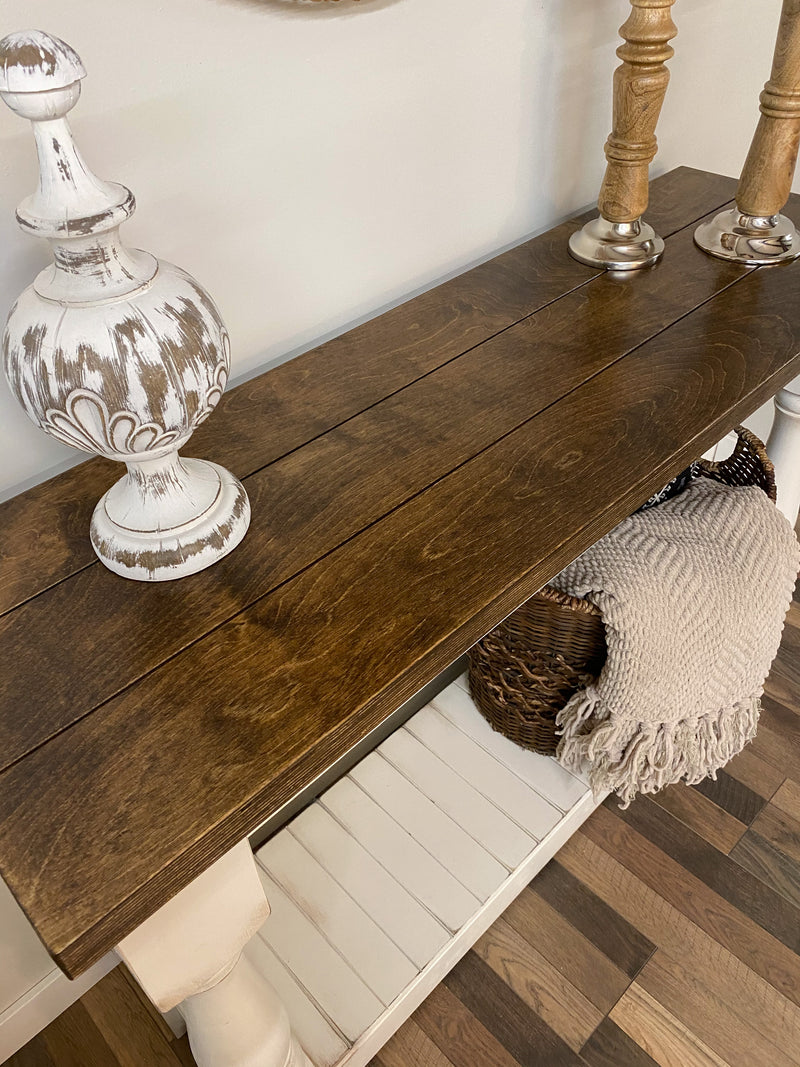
[709,821]
[587,968]
[271,415]
[290,681]
[523,1033]
[735,930]
[701,952]
[770,865]
[733,795]
[770,163]
[714,1020]
[660,1034]
[716,974]
[539,984]
[373,464]
[616,938]
[640,85]
[759,776]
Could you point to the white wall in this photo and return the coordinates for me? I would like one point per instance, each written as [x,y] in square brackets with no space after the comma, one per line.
[312,163]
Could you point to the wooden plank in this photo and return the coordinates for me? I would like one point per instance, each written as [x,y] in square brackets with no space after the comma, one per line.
[403,857]
[659,1033]
[732,794]
[581,963]
[507,792]
[491,827]
[315,1032]
[759,776]
[458,1034]
[699,813]
[538,983]
[541,773]
[317,966]
[712,1019]
[720,873]
[616,938]
[271,415]
[733,929]
[518,1028]
[611,1047]
[313,714]
[426,823]
[394,909]
[722,973]
[787,799]
[312,499]
[370,952]
[410,1046]
[770,865]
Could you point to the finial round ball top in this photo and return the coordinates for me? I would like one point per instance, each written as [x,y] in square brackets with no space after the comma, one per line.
[32,61]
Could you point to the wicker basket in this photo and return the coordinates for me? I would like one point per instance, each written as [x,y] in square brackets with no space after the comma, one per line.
[524,671]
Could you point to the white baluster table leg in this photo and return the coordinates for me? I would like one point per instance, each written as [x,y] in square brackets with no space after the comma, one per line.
[783,447]
[189,955]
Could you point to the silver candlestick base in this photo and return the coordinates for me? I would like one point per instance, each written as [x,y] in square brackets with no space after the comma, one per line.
[752,239]
[616,245]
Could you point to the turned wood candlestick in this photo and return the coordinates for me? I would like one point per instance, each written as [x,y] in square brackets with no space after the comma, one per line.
[754,231]
[619,239]
[113,351]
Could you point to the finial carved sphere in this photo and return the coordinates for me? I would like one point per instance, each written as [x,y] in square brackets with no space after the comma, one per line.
[124,379]
[32,61]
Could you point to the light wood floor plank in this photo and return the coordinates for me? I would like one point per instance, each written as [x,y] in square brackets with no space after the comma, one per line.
[659,1033]
[539,983]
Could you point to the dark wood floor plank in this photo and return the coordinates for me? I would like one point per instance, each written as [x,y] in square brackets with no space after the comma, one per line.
[581,963]
[616,938]
[462,1038]
[770,865]
[708,820]
[73,1040]
[611,1047]
[538,983]
[519,1029]
[410,1047]
[726,877]
[127,1027]
[758,775]
[373,464]
[787,799]
[699,951]
[267,417]
[712,1019]
[736,931]
[732,795]
[34,1054]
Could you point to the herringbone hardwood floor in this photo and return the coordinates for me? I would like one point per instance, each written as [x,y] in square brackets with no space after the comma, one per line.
[665,934]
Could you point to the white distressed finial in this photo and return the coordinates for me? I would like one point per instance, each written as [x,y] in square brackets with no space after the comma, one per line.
[111,350]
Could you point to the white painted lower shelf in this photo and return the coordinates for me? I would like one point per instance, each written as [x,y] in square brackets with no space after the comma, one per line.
[384,883]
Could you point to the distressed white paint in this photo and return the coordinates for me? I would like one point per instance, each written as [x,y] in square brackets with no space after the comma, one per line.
[363,150]
[111,351]
[189,954]
[314,921]
[783,447]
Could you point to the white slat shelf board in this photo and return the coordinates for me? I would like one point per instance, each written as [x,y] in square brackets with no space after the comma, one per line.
[385,882]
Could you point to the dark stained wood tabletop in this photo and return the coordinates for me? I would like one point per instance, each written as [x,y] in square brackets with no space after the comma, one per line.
[412,482]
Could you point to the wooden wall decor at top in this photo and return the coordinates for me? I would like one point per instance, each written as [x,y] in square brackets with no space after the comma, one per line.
[754,231]
[112,351]
[619,239]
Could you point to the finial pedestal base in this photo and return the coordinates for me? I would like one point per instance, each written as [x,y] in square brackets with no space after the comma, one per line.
[169,517]
[756,240]
[616,245]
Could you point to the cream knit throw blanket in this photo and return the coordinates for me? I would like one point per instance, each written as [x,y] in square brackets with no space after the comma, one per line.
[694,594]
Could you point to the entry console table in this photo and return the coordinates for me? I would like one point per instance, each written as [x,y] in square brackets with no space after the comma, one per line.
[412,482]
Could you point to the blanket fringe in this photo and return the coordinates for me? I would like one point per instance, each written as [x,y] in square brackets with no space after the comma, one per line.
[630,757]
